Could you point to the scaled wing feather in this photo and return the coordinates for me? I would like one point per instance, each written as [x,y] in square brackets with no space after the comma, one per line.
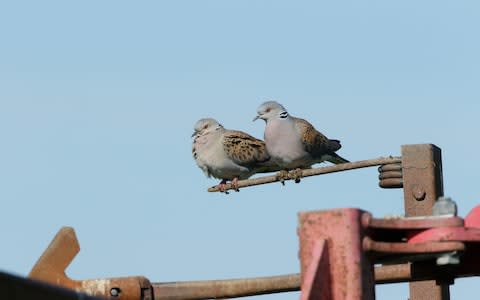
[244,149]
[314,142]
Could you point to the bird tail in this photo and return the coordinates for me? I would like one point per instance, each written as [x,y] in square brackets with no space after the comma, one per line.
[334,158]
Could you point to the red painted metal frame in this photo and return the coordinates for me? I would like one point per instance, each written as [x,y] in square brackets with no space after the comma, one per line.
[338,249]
[348,268]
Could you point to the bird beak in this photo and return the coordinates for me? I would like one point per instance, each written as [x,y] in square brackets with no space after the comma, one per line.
[194,133]
[256,118]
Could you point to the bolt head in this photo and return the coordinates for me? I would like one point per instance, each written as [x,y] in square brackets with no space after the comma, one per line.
[115,292]
[418,193]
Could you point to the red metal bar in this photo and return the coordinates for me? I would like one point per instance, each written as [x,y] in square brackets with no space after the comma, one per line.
[411,223]
[317,282]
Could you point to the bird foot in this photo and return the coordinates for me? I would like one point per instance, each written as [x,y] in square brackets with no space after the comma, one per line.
[282,176]
[222,186]
[296,175]
[234,184]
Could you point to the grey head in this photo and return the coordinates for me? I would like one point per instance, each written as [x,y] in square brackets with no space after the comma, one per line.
[205,126]
[271,110]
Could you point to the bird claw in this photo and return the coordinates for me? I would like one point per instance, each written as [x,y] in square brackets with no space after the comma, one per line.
[296,175]
[234,185]
[282,175]
[222,187]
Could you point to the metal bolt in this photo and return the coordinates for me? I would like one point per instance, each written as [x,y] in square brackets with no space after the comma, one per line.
[418,193]
[448,259]
[115,292]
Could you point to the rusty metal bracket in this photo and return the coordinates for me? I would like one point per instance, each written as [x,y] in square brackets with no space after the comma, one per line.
[422,186]
[51,266]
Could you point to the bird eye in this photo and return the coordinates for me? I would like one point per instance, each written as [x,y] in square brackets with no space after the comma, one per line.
[205,126]
[268,110]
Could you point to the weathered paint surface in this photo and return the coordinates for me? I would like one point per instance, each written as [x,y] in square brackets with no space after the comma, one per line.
[95,287]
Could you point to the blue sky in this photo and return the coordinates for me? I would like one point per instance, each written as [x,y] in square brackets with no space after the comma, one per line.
[98,100]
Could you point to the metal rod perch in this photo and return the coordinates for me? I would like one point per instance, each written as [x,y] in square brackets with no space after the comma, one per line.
[233,288]
[227,288]
[315,171]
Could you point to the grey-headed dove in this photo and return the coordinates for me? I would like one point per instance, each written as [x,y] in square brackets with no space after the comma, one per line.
[228,154]
[293,143]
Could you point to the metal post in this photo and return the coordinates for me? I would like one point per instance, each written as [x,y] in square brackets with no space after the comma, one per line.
[422,185]
[333,263]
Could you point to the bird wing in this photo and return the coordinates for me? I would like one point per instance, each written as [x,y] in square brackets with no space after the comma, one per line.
[315,142]
[244,149]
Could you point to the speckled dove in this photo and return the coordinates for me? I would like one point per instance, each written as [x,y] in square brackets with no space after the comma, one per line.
[293,143]
[228,154]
